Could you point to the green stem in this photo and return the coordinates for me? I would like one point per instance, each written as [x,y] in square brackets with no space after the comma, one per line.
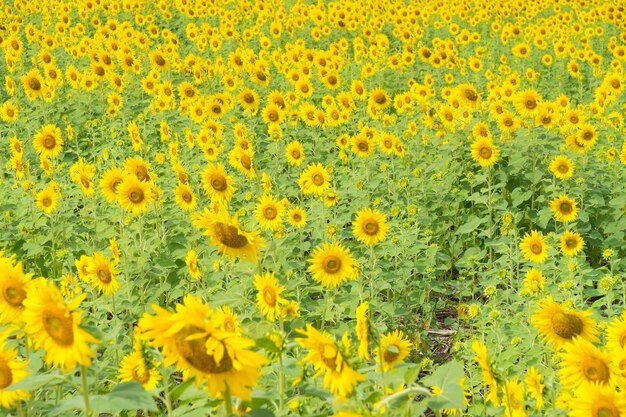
[228,402]
[417,389]
[83,375]
[166,390]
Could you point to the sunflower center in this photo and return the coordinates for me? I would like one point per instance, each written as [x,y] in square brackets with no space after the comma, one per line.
[139,376]
[530,103]
[566,325]
[14,296]
[6,375]
[485,152]
[59,326]
[471,95]
[270,213]
[536,248]
[588,135]
[104,276]
[219,183]
[605,409]
[331,264]
[142,173]
[571,243]
[622,339]
[46,202]
[273,116]
[195,352]
[318,179]
[159,60]
[363,146]
[229,236]
[391,355]
[329,356]
[296,217]
[563,168]
[49,142]
[34,84]
[508,122]
[595,370]
[136,195]
[371,227]
[84,181]
[269,296]
[295,154]
[246,162]
[187,197]
[566,207]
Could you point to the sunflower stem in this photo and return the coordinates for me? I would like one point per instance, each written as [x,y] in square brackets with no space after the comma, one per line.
[228,402]
[83,375]
[166,391]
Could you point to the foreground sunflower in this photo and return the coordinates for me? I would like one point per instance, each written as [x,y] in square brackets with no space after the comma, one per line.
[558,325]
[616,334]
[11,372]
[332,264]
[54,326]
[394,347]
[534,248]
[48,141]
[583,364]
[229,238]
[14,286]
[370,226]
[564,209]
[327,359]
[193,338]
[134,195]
[598,401]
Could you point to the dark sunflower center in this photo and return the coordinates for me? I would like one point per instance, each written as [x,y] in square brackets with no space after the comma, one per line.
[219,183]
[195,352]
[270,213]
[363,146]
[331,264]
[269,296]
[104,276]
[136,195]
[229,236]
[34,84]
[59,326]
[187,197]
[49,142]
[563,168]
[485,152]
[391,355]
[566,207]
[595,370]
[536,248]
[605,409]
[46,202]
[566,325]
[471,95]
[371,227]
[6,375]
[571,243]
[273,116]
[14,296]
[159,60]
[295,154]
[329,356]
[530,103]
[318,179]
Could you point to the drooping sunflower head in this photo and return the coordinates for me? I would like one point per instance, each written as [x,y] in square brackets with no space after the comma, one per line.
[559,326]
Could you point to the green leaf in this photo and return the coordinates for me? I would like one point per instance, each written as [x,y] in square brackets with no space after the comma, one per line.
[34,381]
[446,378]
[267,344]
[126,396]
[411,374]
[259,412]
[472,224]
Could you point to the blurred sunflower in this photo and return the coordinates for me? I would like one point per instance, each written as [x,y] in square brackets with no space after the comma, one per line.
[14,286]
[598,401]
[191,260]
[268,295]
[363,330]
[583,364]
[332,264]
[48,141]
[394,347]
[12,371]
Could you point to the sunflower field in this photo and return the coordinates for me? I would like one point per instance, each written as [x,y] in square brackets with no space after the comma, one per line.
[312,208]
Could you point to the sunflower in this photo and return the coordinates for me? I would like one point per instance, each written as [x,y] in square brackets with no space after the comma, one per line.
[185,198]
[296,217]
[527,103]
[111,179]
[48,141]
[363,330]
[269,213]
[193,338]
[11,372]
[362,146]
[332,264]
[616,334]
[534,281]
[571,243]
[489,380]
[229,238]
[229,320]
[315,180]
[394,347]
[562,167]
[559,326]
[134,195]
[468,96]
[583,364]
[191,260]
[484,152]
[513,401]
[587,135]
[535,386]
[14,286]
[54,326]
[101,274]
[81,265]
[564,209]
[273,114]
[134,367]
[370,226]
[327,359]
[33,83]
[249,101]
[534,248]
[598,401]
[47,200]
[139,168]
[295,153]
[268,296]
[217,184]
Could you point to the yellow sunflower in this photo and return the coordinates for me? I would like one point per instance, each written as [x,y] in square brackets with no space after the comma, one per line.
[534,248]
[47,200]
[229,238]
[134,367]
[191,260]
[101,274]
[484,152]
[616,334]
[394,347]
[229,320]
[564,209]
[54,326]
[48,141]
[332,264]
[363,330]
[527,103]
[217,184]
[295,153]
[534,281]
[14,286]
[315,180]
[571,243]
[598,401]
[327,359]
[535,386]
[185,198]
[269,213]
[562,167]
[134,195]
[268,295]
[296,217]
[111,179]
[559,326]
[370,226]
[11,372]
[193,338]
[33,83]
[583,364]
